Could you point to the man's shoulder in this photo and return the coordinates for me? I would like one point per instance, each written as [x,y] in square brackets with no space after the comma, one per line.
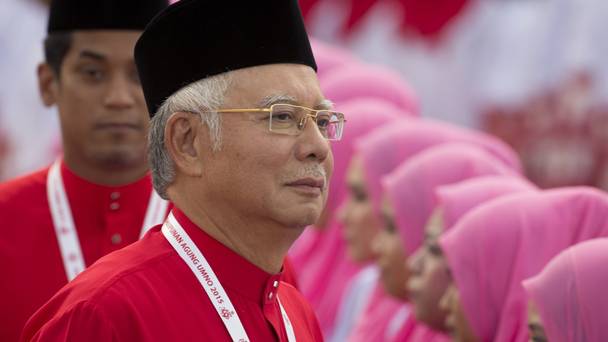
[124,270]
[24,190]
[120,292]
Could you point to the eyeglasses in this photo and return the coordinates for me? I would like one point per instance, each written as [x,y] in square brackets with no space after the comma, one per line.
[291,120]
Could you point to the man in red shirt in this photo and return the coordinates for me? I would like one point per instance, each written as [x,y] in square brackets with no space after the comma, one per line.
[98,198]
[239,142]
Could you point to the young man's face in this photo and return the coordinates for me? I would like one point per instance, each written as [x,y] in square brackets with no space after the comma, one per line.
[100,101]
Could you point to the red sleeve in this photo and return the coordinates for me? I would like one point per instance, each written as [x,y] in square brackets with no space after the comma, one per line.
[83,322]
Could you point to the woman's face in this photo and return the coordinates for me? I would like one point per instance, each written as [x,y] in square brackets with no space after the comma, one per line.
[429,276]
[535,325]
[390,255]
[357,215]
[456,321]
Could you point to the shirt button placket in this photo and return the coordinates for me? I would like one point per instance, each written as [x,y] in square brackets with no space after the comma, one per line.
[116,238]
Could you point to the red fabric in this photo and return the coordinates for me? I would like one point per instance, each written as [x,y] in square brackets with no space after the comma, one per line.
[146,292]
[428,18]
[30,260]
[306,6]
[289,274]
[358,10]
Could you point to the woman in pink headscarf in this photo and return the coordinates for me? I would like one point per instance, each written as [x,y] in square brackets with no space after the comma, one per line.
[497,245]
[377,155]
[354,81]
[320,251]
[570,295]
[383,150]
[409,201]
[428,270]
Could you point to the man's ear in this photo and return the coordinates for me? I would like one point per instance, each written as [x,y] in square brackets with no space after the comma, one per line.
[183,134]
[47,84]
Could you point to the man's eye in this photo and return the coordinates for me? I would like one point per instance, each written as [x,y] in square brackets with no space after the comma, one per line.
[92,73]
[283,117]
[323,123]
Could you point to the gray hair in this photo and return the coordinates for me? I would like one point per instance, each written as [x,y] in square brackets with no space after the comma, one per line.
[201,96]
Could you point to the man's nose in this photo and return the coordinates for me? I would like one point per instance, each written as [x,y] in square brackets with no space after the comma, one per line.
[120,93]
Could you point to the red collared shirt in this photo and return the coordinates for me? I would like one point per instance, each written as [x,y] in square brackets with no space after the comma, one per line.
[31,267]
[146,292]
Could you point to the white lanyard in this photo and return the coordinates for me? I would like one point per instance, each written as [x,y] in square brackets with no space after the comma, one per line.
[65,229]
[192,256]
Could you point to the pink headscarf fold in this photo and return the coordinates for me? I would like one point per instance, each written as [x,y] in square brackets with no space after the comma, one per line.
[570,293]
[504,241]
[386,148]
[330,58]
[363,117]
[415,331]
[355,81]
[323,252]
[410,188]
[457,199]
[373,323]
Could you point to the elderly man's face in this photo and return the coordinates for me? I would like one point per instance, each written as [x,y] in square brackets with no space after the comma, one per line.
[280,178]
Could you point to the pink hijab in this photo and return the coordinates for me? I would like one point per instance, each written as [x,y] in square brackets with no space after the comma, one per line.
[330,58]
[363,80]
[386,148]
[415,331]
[502,242]
[410,188]
[457,199]
[570,293]
[323,252]
[373,323]
[363,116]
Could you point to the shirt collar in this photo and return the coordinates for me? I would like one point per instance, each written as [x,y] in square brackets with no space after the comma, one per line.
[233,271]
[83,188]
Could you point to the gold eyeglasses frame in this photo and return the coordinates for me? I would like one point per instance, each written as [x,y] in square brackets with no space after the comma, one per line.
[311,113]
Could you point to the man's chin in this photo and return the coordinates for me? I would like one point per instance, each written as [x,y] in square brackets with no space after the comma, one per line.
[303,217]
[119,157]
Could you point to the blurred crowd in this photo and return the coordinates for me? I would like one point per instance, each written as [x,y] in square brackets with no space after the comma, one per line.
[435,231]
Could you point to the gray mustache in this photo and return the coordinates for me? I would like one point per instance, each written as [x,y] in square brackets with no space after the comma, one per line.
[312,171]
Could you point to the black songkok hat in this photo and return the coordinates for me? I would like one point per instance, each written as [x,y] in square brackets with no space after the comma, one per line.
[195,39]
[77,15]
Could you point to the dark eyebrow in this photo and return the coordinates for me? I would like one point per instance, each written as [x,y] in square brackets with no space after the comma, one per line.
[92,55]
